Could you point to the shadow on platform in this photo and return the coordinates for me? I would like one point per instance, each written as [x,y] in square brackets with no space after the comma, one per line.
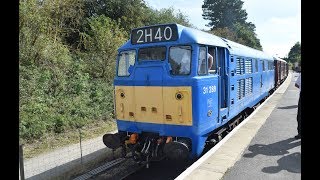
[291,163]
[274,149]
[288,107]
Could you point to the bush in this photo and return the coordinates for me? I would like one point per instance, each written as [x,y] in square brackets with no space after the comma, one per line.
[77,101]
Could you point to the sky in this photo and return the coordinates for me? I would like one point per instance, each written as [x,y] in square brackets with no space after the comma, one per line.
[278,22]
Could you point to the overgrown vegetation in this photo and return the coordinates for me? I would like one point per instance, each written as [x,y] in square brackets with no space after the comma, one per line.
[67,55]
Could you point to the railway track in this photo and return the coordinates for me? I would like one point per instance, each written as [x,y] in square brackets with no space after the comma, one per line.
[118,168]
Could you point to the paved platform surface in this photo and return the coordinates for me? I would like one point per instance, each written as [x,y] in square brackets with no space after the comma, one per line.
[261,147]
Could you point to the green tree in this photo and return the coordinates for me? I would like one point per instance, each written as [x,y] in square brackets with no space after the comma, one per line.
[130,13]
[228,19]
[227,34]
[295,53]
[101,40]
[44,24]
[166,15]
[246,33]
[223,13]
[66,17]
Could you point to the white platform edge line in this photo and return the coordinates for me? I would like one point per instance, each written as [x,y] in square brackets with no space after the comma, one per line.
[185,173]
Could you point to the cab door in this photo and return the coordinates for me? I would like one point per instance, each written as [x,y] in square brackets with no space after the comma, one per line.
[222,63]
[208,84]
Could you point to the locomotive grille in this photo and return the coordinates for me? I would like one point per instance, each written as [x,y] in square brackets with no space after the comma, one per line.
[248,66]
[238,89]
[241,88]
[240,66]
[248,85]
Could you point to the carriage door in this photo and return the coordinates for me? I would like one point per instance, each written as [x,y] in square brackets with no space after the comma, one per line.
[223,82]
[261,76]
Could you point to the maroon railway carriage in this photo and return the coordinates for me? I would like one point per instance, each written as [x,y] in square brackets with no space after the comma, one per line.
[281,70]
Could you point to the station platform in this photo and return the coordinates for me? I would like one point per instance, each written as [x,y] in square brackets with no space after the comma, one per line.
[261,147]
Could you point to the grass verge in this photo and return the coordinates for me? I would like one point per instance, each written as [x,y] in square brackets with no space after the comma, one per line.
[53,141]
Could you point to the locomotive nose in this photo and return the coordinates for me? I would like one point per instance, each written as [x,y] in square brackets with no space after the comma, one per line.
[178,150]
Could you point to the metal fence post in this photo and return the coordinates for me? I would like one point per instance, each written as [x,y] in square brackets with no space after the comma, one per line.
[80,144]
[21,162]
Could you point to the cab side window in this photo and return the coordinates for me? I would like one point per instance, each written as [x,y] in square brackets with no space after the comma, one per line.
[202,61]
[213,68]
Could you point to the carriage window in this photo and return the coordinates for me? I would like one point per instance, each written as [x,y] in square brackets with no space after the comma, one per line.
[256,64]
[266,64]
[263,67]
[152,53]
[126,59]
[269,65]
[180,60]
[202,63]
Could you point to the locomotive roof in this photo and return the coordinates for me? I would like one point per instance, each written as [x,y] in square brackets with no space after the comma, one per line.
[239,49]
[190,35]
[279,59]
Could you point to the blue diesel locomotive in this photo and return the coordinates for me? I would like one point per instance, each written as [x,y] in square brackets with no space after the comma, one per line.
[168,102]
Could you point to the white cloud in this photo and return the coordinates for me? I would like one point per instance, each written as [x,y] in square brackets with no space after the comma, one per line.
[282,33]
[278,23]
